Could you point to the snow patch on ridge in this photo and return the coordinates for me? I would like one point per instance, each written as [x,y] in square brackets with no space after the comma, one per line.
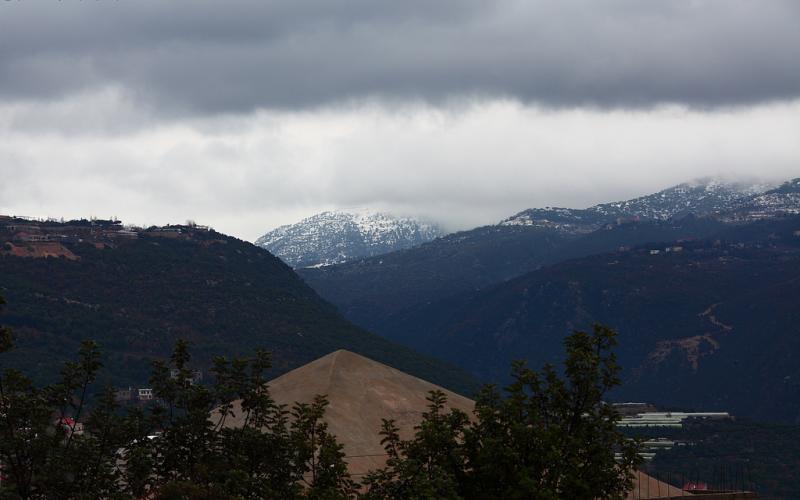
[699,197]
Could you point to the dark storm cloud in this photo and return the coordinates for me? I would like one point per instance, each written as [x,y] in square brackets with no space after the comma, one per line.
[233,56]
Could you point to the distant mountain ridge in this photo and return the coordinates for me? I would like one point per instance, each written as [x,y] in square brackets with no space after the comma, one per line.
[782,200]
[333,237]
[699,197]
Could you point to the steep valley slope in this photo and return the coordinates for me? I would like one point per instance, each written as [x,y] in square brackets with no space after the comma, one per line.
[137,291]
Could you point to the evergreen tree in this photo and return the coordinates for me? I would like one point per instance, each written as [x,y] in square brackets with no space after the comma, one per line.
[553,437]
[548,437]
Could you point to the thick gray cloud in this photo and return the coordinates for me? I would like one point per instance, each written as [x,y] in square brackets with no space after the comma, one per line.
[202,56]
[250,114]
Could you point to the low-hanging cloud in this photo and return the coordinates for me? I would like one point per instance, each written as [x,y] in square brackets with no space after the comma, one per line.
[204,57]
[465,166]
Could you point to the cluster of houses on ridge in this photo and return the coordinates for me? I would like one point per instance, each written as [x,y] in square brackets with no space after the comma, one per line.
[32,230]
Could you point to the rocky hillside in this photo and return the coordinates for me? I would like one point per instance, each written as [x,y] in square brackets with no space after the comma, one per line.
[334,237]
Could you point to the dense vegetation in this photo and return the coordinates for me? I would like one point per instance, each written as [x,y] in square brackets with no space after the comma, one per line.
[550,437]
[137,297]
[737,453]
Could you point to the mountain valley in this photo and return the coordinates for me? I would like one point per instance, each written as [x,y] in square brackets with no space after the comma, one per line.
[673,286]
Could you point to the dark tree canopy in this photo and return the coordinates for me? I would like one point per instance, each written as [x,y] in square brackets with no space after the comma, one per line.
[180,447]
[548,436]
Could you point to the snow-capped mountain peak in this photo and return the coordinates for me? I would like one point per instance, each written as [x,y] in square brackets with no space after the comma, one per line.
[337,236]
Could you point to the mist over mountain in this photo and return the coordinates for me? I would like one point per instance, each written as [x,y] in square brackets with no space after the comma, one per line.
[334,237]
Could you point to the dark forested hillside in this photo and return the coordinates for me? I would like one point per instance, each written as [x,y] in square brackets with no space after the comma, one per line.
[712,324]
[371,292]
[137,293]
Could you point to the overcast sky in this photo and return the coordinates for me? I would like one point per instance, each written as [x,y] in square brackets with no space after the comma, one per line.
[247,115]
